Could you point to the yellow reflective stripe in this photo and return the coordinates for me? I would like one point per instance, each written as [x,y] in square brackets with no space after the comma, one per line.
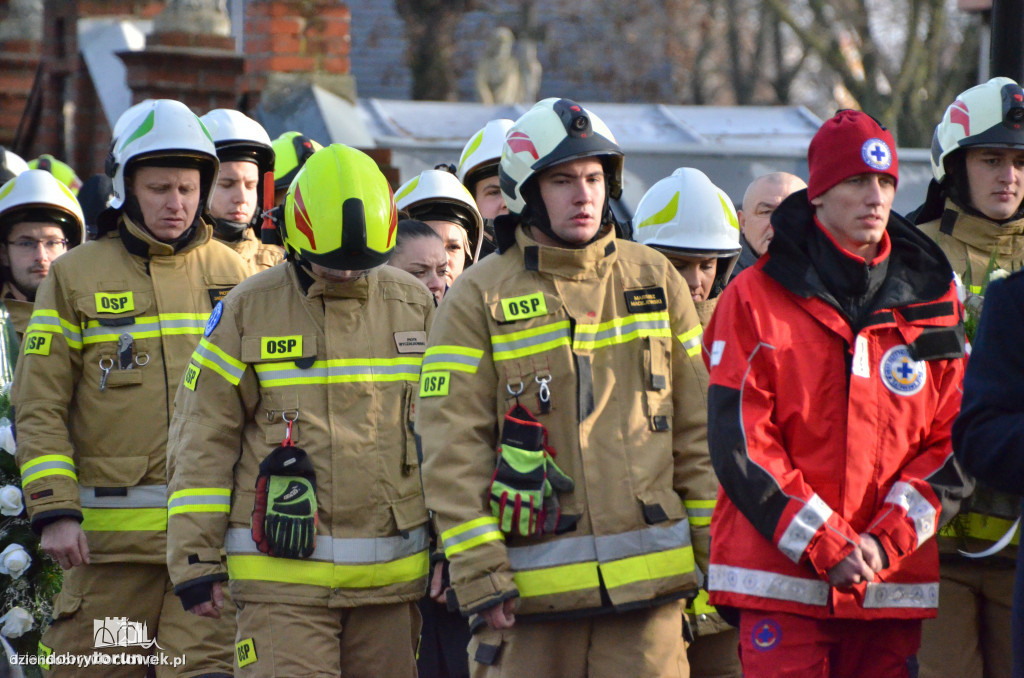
[648,566]
[124,520]
[975,289]
[690,340]
[459,358]
[316,573]
[699,511]
[561,579]
[700,604]
[531,341]
[467,535]
[200,500]
[145,327]
[339,370]
[46,320]
[980,526]
[621,330]
[48,465]
[210,355]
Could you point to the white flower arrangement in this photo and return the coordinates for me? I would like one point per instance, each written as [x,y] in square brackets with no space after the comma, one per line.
[16,622]
[11,501]
[7,443]
[14,560]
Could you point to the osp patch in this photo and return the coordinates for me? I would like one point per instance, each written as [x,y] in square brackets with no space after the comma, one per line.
[766,635]
[900,373]
[876,154]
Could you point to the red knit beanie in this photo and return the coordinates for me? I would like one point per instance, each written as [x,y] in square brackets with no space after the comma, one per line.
[850,143]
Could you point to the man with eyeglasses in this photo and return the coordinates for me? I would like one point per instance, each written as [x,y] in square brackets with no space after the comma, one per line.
[39,220]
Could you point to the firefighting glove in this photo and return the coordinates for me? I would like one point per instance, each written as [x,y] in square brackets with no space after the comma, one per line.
[526,478]
[284,515]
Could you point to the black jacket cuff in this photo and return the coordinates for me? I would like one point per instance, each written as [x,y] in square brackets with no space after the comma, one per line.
[41,520]
[197,591]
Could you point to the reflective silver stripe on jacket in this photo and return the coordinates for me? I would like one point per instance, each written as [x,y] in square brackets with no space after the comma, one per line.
[341,551]
[140,496]
[601,549]
[802,528]
[885,595]
[767,585]
[585,333]
[501,344]
[273,372]
[918,509]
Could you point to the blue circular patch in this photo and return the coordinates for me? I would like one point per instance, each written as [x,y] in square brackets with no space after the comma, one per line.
[766,635]
[211,324]
[876,154]
[900,373]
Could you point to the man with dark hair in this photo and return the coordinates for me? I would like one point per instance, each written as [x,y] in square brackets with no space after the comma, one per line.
[576,355]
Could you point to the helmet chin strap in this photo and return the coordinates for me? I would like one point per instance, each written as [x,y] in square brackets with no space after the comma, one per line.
[232,231]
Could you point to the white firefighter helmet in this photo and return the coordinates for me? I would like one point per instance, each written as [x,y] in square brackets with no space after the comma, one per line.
[988,115]
[163,128]
[437,194]
[11,164]
[239,137]
[36,195]
[552,132]
[686,214]
[483,152]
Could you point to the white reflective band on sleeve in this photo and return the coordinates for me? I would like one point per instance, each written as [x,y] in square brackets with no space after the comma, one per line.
[767,585]
[917,507]
[801,529]
[238,541]
[882,595]
[140,496]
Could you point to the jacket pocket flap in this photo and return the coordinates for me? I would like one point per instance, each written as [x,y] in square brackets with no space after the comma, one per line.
[111,471]
[409,512]
[278,348]
[661,505]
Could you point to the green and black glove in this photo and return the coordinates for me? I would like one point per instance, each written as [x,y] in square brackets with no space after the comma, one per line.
[526,479]
[284,515]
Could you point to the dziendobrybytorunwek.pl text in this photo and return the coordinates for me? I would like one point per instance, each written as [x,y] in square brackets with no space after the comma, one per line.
[97,659]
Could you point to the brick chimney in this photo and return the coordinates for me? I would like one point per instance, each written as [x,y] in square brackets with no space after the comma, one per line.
[21,36]
[292,43]
[190,56]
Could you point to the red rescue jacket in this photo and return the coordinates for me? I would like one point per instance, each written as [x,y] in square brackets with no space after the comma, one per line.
[820,432]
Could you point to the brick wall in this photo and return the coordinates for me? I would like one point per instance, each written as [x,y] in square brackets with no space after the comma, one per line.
[297,40]
[48,103]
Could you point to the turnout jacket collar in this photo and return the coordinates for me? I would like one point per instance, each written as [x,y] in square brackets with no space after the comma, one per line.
[918,271]
[980,233]
[141,242]
[593,261]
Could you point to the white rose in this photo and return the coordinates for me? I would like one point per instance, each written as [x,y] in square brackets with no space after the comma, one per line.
[16,622]
[7,436]
[11,503]
[14,560]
